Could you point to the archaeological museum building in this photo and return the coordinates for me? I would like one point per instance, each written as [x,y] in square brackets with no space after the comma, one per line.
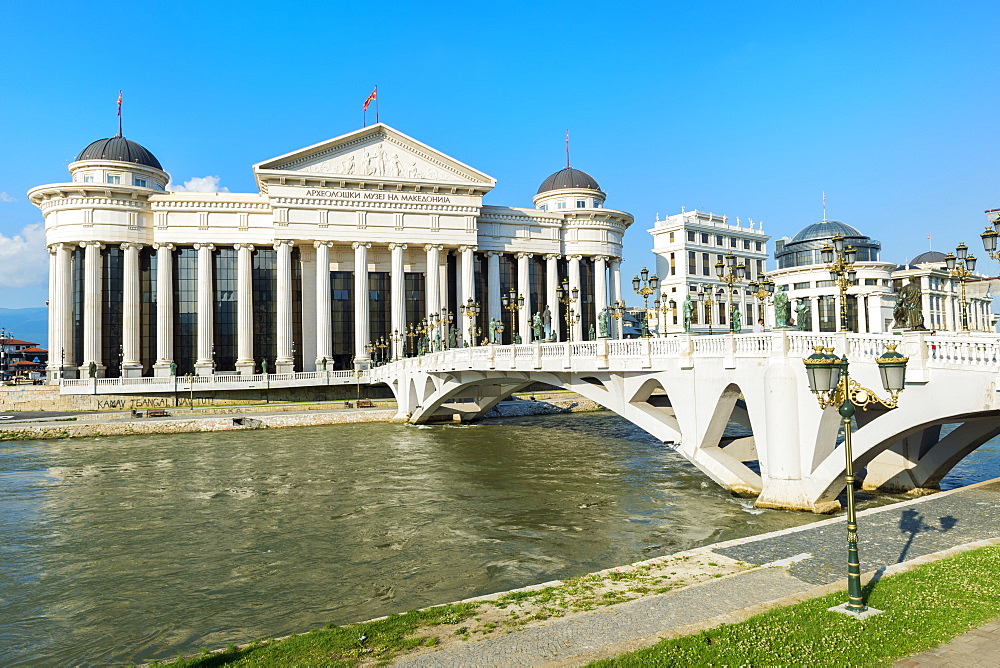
[347,243]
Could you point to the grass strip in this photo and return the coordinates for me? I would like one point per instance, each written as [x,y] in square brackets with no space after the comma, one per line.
[922,608]
[335,646]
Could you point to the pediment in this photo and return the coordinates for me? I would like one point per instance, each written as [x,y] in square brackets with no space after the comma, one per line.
[377,153]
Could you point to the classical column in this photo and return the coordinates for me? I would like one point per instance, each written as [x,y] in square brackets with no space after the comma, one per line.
[324,343]
[433,278]
[615,286]
[875,324]
[362,331]
[284,361]
[814,315]
[131,366]
[64,272]
[56,343]
[600,287]
[164,310]
[574,282]
[205,365]
[552,301]
[493,286]
[91,309]
[524,289]
[244,309]
[925,300]
[397,299]
[467,258]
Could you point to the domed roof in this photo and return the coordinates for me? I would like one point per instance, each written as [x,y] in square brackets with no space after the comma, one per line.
[120,150]
[930,256]
[826,229]
[568,178]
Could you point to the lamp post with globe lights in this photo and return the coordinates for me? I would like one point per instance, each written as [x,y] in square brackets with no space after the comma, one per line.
[645,285]
[961,265]
[830,381]
[839,260]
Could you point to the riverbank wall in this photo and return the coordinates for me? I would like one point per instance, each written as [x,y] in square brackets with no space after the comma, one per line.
[265,417]
[46,398]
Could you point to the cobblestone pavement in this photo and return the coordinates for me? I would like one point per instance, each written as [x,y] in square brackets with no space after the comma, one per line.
[814,559]
[979,647]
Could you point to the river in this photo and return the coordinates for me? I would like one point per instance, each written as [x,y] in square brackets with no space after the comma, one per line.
[121,550]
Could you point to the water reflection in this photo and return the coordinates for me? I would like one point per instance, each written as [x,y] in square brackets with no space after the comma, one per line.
[122,550]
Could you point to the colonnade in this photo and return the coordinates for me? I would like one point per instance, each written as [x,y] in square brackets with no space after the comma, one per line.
[62,330]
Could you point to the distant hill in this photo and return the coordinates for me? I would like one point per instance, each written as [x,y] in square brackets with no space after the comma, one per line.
[27,324]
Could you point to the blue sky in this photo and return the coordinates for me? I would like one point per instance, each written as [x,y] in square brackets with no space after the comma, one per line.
[745,109]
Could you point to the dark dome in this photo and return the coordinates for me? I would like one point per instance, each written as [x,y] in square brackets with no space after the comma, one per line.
[929,256]
[568,178]
[121,150]
[826,230]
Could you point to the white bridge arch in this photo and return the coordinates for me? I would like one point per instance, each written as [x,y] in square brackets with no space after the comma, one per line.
[685,389]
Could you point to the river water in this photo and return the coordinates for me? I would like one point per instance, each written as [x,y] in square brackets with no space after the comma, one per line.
[120,550]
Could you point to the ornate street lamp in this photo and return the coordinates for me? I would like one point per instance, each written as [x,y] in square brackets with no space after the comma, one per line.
[839,260]
[990,235]
[830,381]
[961,265]
[645,286]
[662,308]
[411,334]
[446,321]
[397,347]
[617,311]
[567,298]
[704,296]
[731,272]
[512,303]
[762,290]
[471,309]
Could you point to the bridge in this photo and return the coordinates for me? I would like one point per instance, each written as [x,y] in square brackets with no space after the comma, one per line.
[685,390]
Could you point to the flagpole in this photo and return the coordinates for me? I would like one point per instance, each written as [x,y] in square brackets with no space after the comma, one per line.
[119,113]
[376,104]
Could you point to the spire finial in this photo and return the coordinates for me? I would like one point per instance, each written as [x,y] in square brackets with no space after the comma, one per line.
[824,206]
[119,113]
[567,149]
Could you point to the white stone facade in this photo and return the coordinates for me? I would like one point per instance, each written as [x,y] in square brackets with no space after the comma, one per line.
[687,247]
[145,281]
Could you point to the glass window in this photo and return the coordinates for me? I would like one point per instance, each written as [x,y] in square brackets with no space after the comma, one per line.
[342,318]
[265,308]
[871,281]
[114,178]
[671,237]
[581,204]
[757,245]
[597,205]
[185,309]
[801,286]
[147,309]
[718,239]
[706,269]
[561,205]
[378,307]
[112,294]
[139,182]
[690,236]
[732,242]
[692,262]
[704,238]
[746,244]
[544,207]
[89,178]
[225,309]
[824,284]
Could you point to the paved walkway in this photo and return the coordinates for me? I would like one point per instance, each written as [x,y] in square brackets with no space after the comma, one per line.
[808,562]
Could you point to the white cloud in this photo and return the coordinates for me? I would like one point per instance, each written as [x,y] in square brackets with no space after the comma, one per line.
[199,184]
[23,258]
[4,197]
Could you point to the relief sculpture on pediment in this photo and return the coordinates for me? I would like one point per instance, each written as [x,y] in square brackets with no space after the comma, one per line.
[378,161]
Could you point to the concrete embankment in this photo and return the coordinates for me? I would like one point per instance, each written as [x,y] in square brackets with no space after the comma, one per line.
[234,419]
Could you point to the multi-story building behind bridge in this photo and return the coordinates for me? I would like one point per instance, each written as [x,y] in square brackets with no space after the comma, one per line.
[349,241]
